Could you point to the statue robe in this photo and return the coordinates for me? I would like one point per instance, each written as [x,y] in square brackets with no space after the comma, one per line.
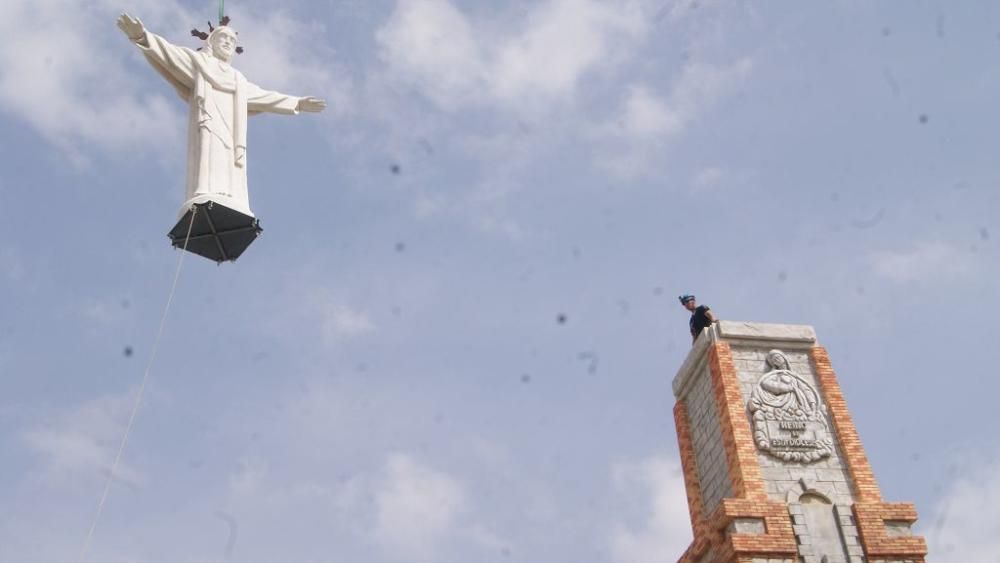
[220,99]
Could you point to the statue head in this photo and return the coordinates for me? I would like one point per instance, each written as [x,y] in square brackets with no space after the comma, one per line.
[222,42]
[777,359]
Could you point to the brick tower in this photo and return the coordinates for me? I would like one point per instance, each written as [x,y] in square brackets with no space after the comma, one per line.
[773,466]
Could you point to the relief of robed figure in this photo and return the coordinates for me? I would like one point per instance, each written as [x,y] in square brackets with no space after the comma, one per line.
[789,420]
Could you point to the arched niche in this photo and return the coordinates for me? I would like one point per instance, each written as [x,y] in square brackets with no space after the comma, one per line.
[818,530]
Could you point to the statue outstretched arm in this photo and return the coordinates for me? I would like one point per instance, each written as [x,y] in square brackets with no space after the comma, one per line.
[311,104]
[266,101]
[175,63]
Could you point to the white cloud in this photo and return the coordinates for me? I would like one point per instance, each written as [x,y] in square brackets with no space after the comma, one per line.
[698,87]
[341,320]
[966,520]
[512,88]
[434,45]
[455,61]
[633,142]
[483,208]
[701,85]
[105,311]
[337,318]
[708,177]
[249,476]
[84,441]
[564,40]
[417,507]
[927,261]
[666,531]
[12,264]
[63,77]
[646,115]
[674,11]
[427,205]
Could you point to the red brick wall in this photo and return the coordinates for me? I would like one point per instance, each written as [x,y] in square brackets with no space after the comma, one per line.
[689,465]
[744,472]
[865,487]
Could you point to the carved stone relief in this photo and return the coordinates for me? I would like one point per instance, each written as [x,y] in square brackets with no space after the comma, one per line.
[789,420]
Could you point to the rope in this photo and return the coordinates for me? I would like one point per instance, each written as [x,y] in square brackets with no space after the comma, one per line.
[222,9]
[138,396]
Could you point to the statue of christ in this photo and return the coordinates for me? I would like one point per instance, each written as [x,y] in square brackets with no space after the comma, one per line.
[220,99]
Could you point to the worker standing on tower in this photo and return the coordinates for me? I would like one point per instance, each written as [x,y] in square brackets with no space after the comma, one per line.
[701,316]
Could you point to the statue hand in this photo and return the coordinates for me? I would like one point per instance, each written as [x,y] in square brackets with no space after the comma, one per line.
[311,104]
[241,156]
[132,27]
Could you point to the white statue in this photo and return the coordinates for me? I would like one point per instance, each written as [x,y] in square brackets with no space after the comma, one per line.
[220,99]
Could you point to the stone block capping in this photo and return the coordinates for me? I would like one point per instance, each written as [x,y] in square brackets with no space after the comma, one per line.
[746,507]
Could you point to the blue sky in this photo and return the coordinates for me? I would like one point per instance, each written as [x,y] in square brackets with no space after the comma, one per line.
[383,376]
